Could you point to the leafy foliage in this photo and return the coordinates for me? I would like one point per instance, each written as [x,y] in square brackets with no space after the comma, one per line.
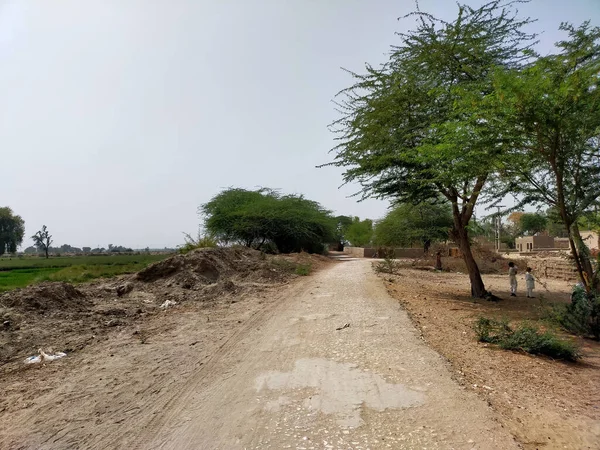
[12,229]
[406,224]
[532,223]
[581,316]
[359,232]
[258,218]
[525,337]
[551,110]
[411,130]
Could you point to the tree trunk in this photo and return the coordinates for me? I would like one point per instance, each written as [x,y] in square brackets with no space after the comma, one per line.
[582,256]
[46,252]
[477,286]
[573,230]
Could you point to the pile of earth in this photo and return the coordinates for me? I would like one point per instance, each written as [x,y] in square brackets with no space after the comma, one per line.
[59,316]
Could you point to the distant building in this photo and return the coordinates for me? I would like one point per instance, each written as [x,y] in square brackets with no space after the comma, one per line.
[530,243]
[561,242]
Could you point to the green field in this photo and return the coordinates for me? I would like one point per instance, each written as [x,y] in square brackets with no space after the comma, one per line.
[22,271]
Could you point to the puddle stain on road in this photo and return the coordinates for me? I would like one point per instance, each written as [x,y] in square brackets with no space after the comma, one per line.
[342,389]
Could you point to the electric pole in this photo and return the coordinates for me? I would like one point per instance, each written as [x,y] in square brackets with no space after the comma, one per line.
[498,227]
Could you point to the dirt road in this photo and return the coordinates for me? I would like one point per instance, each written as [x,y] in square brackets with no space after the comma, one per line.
[295,381]
[334,363]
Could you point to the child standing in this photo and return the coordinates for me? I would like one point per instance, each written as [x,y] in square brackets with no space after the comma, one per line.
[512,276]
[529,282]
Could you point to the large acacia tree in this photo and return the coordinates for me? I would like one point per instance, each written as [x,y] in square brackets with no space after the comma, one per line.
[264,218]
[410,130]
[551,110]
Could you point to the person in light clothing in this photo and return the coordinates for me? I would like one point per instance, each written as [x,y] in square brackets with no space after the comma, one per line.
[529,282]
[512,276]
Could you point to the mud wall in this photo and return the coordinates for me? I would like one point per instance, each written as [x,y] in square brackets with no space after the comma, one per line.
[369,252]
[559,268]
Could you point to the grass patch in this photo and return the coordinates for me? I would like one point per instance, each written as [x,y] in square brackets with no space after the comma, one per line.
[73,269]
[83,273]
[20,278]
[283,264]
[303,269]
[525,337]
[34,262]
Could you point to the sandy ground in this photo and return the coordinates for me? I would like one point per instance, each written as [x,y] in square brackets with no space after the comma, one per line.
[546,404]
[269,372]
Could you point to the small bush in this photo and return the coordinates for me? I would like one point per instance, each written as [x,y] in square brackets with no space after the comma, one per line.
[581,316]
[303,269]
[388,265]
[525,337]
[490,330]
[201,242]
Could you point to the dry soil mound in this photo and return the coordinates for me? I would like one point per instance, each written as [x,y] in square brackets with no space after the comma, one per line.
[46,297]
[60,316]
[208,266]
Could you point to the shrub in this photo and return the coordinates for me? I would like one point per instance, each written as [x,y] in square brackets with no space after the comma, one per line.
[525,337]
[388,265]
[581,316]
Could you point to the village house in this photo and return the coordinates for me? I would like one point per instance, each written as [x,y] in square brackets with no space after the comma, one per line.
[530,243]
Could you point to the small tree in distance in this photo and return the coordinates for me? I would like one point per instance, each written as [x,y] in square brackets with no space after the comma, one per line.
[532,223]
[42,240]
[408,224]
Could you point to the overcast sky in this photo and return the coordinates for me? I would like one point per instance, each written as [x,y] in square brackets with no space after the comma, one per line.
[119,117]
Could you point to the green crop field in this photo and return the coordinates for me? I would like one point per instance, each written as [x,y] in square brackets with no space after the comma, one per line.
[18,272]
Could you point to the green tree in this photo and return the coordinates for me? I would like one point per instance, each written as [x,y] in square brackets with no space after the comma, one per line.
[553,109]
[342,224]
[407,224]
[263,217]
[411,129]
[359,232]
[42,240]
[532,223]
[12,229]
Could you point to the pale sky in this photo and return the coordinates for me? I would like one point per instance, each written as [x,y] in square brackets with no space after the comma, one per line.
[119,117]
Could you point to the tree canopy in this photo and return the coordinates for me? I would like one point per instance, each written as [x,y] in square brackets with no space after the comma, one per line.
[12,230]
[264,218]
[359,232]
[407,224]
[411,129]
[532,223]
[551,109]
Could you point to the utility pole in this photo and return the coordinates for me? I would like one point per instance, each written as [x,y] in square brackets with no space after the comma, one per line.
[498,227]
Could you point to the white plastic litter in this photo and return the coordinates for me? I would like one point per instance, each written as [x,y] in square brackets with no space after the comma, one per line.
[44,357]
[167,303]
